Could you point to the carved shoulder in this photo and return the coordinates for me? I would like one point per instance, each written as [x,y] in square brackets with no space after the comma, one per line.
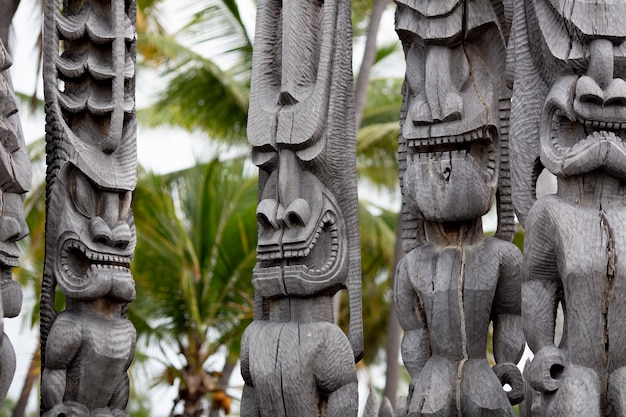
[540,238]
[409,311]
[64,341]
[507,299]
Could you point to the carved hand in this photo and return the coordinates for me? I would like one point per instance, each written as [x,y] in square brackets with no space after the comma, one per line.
[546,368]
[509,373]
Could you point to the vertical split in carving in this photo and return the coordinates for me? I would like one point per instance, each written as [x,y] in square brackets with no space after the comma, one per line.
[459,372]
[89,86]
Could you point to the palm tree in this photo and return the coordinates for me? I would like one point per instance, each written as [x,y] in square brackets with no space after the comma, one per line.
[193,269]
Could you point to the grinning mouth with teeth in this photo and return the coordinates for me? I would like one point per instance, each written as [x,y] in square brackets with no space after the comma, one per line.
[79,262]
[476,147]
[317,254]
[566,131]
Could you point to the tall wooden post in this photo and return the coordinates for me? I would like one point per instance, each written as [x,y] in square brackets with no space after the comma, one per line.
[569,117]
[89,58]
[453,281]
[295,361]
[15,178]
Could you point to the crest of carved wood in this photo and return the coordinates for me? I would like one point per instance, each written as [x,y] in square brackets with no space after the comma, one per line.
[295,361]
[453,156]
[15,179]
[569,116]
[89,57]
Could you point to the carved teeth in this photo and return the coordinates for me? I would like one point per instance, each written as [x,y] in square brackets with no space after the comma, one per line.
[467,137]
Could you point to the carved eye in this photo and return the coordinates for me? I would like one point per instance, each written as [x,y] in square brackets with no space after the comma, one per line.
[125,202]
[83,195]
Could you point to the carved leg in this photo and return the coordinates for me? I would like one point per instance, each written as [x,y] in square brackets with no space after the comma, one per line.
[434,391]
[617,393]
[482,394]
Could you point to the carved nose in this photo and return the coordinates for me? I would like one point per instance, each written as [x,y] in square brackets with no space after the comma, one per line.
[447,73]
[118,237]
[598,85]
[271,214]
[289,208]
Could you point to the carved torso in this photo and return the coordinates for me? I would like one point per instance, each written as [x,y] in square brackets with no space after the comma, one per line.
[104,348]
[585,245]
[464,279]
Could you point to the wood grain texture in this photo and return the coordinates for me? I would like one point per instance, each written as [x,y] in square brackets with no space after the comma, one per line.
[453,153]
[569,117]
[15,179]
[295,361]
[89,58]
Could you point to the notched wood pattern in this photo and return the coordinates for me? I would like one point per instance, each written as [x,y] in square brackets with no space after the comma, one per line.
[453,153]
[295,361]
[89,57]
[569,117]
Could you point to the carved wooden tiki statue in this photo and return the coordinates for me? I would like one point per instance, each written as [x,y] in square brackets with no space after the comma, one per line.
[15,178]
[453,281]
[89,57]
[569,116]
[295,361]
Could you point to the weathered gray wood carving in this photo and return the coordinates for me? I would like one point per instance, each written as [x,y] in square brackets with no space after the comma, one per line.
[89,57]
[295,361]
[453,281]
[569,115]
[15,178]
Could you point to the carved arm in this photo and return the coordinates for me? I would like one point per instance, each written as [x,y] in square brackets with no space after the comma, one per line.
[64,341]
[416,340]
[508,330]
[540,295]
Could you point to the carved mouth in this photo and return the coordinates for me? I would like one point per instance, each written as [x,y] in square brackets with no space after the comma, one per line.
[8,260]
[452,142]
[475,147]
[566,132]
[323,245]
[79,262]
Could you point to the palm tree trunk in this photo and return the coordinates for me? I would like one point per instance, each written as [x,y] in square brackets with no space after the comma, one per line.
[394,332]
[29,381]
[369,56]
[222,383]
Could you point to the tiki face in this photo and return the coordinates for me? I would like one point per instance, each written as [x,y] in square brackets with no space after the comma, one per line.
[95,238]
[15,178]
[297,103]
[454,82]
[584,115]
[302,245]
